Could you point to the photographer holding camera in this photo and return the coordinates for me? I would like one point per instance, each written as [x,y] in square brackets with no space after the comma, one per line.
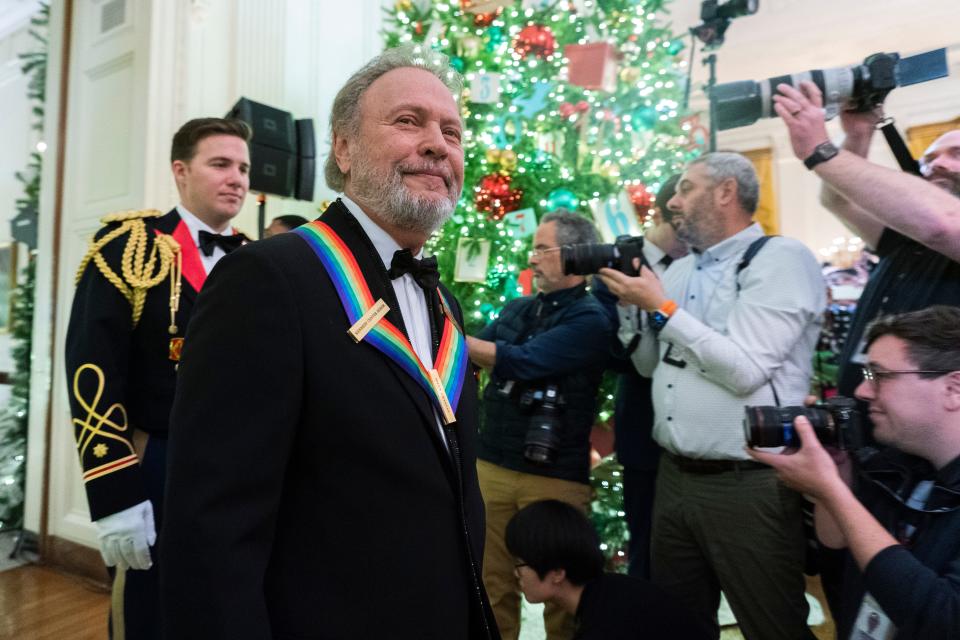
[912,223]
[732,324]
[901,520]
[546,355]
[636,449]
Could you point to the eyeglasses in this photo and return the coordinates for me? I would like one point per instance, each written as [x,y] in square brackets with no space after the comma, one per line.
[875,376]
[539,253]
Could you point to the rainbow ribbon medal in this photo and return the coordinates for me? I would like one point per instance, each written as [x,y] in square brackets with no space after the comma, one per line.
[443,383]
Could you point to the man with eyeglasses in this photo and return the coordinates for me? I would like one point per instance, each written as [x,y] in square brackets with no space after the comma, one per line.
[912,223]
[546,355]
[900,521]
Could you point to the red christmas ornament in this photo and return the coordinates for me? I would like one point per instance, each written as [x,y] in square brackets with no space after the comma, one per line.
[641,199]
[486,19]
[495,197]
[536,39]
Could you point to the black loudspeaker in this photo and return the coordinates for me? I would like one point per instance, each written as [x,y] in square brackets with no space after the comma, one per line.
[282,151]
[306,141]
[271,126]
[272,171]
[306,178]
[307,161]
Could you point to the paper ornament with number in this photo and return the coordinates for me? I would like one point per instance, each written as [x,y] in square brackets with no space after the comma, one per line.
[473,256]
[485,88]
[525,221]
[615,217]
[592,65]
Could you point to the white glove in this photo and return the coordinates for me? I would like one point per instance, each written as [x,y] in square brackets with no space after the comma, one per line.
[126,537]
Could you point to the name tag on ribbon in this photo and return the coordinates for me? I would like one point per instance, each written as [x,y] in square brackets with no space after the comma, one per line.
[368,320]
[446,409]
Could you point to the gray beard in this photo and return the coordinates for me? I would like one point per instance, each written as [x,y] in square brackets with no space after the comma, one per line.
[397,205]
[949,182]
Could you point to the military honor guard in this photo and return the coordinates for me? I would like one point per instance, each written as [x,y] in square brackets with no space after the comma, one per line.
[136,289]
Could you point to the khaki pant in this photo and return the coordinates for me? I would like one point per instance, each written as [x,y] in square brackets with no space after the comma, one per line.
[505,492]
[739,531]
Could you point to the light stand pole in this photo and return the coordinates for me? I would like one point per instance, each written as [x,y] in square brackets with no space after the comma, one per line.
[711,61]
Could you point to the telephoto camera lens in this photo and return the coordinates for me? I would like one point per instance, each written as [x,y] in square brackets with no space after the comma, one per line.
[542,442]
[586,259]
[773,426]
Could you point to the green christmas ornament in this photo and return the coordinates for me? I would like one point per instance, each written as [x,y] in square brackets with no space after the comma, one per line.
[646,116]
[675,47]
[457,63]
[495,37]
[562,199]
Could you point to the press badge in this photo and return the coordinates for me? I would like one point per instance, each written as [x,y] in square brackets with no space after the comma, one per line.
[872,623]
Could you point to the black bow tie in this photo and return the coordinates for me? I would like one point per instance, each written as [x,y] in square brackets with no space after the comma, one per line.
[209,241]
[423,271]
[666,261]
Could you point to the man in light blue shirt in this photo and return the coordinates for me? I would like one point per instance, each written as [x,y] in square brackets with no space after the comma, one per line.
[721,333]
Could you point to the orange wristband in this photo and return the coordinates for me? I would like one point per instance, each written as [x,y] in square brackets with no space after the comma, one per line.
[668,308]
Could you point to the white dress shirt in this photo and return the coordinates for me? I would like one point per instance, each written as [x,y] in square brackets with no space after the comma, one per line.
[734,343]
[195,225]
[413,302]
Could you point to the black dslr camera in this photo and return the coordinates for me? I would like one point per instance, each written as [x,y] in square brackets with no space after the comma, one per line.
[542,442]
[836,422]
[585,259]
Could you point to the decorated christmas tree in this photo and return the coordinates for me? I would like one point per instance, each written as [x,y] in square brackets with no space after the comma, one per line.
[13,417]
[569,104]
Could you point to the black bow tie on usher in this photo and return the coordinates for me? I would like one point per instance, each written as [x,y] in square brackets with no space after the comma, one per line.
[209,241]
[423,271]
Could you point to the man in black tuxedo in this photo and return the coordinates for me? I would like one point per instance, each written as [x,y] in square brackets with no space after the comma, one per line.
[135,294]
[331,496]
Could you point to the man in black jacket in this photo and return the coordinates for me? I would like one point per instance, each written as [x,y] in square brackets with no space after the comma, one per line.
[546,354]
[901,522]
[335,495]
[135,294]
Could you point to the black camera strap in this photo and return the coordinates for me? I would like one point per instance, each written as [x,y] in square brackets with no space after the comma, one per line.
[748,256]
[898,146]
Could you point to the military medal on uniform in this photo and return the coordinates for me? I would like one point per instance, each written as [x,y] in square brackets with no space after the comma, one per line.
[368,323]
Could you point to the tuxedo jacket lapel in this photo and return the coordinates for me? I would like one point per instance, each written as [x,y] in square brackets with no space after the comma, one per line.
[347,227]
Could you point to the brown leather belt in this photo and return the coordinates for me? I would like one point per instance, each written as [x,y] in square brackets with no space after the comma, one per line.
[698,465]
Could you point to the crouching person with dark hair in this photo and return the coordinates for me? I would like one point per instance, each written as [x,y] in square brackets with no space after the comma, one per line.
[559,561]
